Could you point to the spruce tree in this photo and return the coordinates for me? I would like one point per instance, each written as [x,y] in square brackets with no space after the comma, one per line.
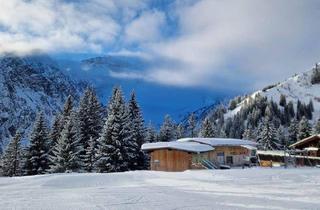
[192,125]
[90,125]
[112,151]
[316,129]
[293,132]
[55,132]
[249,134]
[12,157]
[151,134]
[222,133]
[315,77]
[180,131]
[304,129]
[283,101]
[207,129]
[137,158]
[65,152]
[281,138]
[37,156]
[267,136]
[167,130]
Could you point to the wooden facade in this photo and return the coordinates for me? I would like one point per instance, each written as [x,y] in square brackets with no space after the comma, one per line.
[177,160]
[310,142]
[170,160]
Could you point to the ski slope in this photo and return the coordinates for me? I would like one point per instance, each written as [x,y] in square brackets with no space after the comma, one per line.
[219,189]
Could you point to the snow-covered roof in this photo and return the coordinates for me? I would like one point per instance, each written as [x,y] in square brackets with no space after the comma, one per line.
[249,147]
[219,141]
[306,140]
[311,149]
[184,146]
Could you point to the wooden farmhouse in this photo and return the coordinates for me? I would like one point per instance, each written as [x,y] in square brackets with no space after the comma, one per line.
[310,145]
[200,153]
[305,152]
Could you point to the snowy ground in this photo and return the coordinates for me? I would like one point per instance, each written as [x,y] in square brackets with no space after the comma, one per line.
[218,189]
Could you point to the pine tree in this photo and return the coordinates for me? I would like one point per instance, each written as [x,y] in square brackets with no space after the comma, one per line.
[65,152]
[167,130]
[90,125]
[316,129]
[249,134]
[112,152]
[293,132]
[315,77]
[304,129]
[192,125]
[91,155]
[12,158]
[180,131]
[267,137]
[207,129]
[137,158]
[281,138]
[151,134]
[37,156]
[222,133]
[283,101]
[55,132]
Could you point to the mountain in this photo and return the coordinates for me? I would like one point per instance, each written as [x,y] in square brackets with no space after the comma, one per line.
[29,84]
[282,112]
[296,88]
[156,100]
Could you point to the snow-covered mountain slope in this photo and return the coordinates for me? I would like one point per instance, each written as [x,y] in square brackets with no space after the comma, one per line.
[295,88]
[28,85]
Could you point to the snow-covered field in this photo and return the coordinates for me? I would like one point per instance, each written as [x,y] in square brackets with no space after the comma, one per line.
[219,189]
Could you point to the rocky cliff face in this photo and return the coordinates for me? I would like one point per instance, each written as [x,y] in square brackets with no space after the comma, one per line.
[29,85]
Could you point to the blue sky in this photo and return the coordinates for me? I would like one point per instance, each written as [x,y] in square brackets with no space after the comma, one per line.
[232,45]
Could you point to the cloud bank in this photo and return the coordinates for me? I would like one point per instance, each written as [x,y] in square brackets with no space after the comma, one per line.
[206,43]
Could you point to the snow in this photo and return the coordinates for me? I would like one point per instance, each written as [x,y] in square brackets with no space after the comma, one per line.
[185,146]
[219,141]
[255,188]
[297,87]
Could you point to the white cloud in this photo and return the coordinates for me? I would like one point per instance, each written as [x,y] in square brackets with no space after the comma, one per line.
[145,28]
[57,25]
[249,43]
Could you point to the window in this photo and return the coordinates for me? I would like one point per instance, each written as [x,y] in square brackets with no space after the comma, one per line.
[253,153]
[229,160]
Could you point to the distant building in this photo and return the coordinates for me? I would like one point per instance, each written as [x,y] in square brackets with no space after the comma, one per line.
[305,152]
[310,145]
[200,153]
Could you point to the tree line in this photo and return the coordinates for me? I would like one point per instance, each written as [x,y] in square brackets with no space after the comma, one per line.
[87,138]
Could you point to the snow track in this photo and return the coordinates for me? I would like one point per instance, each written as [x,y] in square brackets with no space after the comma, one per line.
[218,189]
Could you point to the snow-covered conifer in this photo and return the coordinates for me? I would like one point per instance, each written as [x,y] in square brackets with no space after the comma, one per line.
[192,125]
[111,153]
[37,156]
[293,131]
[167,130]
[207,129]
[137,158]
[90,125]
[304,129]
[151,133]
[65,152]
[316,129]
[180,131]
[267,137]
[12,157]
